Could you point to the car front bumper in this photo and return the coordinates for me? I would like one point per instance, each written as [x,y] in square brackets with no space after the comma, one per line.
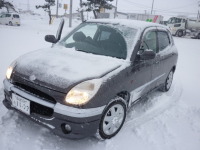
[83,122]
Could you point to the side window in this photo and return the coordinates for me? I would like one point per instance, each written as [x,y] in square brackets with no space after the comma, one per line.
[178,20]
[149,41]
[163,40]
[8,15]
[88,31]
[104,35]
[3,16]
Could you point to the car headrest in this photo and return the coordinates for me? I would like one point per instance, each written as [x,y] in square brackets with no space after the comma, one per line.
[79,36]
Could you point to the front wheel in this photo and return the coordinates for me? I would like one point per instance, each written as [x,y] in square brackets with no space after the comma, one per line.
[180,33]
[168,82]
[10,23]
[112,120]
[199,36]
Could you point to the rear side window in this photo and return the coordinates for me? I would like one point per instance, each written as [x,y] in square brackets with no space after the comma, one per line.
[16,16]
[178,20]
[8,15]
[163,40]
[3,16]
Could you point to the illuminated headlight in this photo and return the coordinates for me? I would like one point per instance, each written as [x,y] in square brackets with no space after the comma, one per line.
[83,92]
[10,70]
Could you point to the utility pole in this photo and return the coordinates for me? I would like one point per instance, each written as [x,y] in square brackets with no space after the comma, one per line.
[57,8]
[116,9]
[152,6]
[198,16]
[28,6]
[82,17]
[70,14]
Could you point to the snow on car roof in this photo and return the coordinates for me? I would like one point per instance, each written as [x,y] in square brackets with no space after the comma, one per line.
[129,23]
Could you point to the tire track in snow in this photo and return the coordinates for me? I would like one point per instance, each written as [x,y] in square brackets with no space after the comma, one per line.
[3,110]
[8,128]
[157,103]
[138,128]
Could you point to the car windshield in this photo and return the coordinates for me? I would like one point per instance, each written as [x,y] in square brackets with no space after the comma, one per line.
[174,20]
[100,39]
[16,16]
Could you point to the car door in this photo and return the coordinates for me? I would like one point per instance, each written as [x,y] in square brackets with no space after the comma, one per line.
[142,69]
[3,19]
[8,19]
[151,42]
[157,70]
[165,53]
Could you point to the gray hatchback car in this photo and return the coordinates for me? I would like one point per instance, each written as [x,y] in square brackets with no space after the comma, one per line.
[85,83]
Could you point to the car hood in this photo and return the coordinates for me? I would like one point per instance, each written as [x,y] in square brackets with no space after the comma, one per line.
[61,68]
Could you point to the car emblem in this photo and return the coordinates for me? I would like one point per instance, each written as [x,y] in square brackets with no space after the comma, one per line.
[32,77]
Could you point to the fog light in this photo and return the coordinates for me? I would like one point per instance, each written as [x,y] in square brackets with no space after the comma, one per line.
[66,128]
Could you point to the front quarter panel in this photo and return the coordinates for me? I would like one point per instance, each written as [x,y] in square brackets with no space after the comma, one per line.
[113,83]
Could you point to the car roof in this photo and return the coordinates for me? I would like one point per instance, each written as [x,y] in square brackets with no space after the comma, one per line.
[129,23]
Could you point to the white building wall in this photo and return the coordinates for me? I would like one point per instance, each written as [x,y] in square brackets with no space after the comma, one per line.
[121,16]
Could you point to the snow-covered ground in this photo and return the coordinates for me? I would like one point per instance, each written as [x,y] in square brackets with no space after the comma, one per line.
[166,121]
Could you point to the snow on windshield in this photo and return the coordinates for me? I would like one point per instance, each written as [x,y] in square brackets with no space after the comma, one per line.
[102,39]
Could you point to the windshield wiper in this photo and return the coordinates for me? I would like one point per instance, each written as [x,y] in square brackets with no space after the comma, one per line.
[81,50]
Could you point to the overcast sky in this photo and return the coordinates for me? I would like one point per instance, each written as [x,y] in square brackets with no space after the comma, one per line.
[161,7]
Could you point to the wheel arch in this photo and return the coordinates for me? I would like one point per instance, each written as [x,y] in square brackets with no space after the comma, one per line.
[174,68]
[125,95]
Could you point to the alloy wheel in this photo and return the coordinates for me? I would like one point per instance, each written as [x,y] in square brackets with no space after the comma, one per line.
[112,120]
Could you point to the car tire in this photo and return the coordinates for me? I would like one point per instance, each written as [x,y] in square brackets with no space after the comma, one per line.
[199,36]
[10,23]
[112,120]
[180,33]
[168,82]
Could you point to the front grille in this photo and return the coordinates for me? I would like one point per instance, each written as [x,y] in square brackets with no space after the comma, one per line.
[35,92]
[41,110]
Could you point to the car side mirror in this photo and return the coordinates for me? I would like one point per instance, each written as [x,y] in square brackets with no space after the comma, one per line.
[50,38]
[147,55]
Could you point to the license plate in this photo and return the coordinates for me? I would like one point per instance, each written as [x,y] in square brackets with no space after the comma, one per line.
[21,104]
